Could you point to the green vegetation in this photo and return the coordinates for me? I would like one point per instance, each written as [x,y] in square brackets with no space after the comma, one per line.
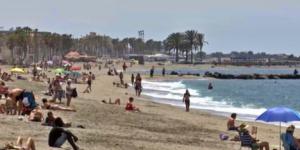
[24,43]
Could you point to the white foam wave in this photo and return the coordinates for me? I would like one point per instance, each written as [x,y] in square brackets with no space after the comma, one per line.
[172,87]
[177,84]
[174,95]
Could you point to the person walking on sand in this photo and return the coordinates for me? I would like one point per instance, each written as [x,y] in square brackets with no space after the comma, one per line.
[121,78]
[152,72]
[89,83]
[163,71]
[124,66]
[186,100]
[69,91]
[132,79]
[57,89]
[138,85]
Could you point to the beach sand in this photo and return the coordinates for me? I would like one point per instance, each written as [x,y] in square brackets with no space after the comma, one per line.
[157,126]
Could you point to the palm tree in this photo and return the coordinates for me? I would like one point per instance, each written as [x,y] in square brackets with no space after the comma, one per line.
[191,37]
[173,42]
[201,41]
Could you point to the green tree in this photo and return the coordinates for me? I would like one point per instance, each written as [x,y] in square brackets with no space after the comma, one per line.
[191,37]
[173,41]
[201,41]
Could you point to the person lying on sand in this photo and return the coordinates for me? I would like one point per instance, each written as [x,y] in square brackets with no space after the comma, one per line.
[49,121]
[47,105]
[19,77]
[29,145]
[130,106]
[58,136]
[36,115]
[116,102]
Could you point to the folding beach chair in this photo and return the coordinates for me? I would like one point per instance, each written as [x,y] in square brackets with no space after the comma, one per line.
[246,141]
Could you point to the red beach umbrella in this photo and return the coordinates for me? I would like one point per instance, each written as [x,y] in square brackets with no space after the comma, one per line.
[75,68]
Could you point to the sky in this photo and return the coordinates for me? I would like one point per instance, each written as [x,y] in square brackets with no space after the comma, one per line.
[271,26]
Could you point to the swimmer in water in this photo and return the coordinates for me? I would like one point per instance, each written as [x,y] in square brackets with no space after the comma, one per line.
[210,87]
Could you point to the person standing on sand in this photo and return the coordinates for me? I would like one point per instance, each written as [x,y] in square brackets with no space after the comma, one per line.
[124,66]
[138,84]
[99,67]
[69,91]
[186,100]
[152,72]
[121,78]
[163,71]
[132,79]
[89,83]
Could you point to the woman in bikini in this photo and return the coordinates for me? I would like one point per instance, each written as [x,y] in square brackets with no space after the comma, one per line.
[47,105]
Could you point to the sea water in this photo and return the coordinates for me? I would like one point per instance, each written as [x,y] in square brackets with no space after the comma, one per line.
[248,98]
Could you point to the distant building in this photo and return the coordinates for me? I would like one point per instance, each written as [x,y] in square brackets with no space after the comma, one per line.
[249,60]
[219,60]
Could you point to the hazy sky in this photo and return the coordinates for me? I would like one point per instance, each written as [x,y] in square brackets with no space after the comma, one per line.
[229,25]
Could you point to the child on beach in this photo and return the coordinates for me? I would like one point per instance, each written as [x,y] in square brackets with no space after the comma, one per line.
[231,122]
[130,106]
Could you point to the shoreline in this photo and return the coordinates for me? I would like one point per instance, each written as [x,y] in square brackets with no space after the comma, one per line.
[157,126]
[242,116]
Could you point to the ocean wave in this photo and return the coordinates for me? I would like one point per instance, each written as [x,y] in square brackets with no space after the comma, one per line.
[177,84]
[172,87]
[164,92]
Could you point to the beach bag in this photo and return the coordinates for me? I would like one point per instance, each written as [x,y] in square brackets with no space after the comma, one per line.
[74,93]
[29,100]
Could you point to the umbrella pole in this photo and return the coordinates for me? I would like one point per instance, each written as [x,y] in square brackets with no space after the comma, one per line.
[279,135]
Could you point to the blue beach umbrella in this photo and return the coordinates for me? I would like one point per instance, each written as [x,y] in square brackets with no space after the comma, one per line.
[279,114]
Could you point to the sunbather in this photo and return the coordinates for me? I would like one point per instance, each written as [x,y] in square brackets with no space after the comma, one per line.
[29,145]
[36,115]
[116,102]
[47,105]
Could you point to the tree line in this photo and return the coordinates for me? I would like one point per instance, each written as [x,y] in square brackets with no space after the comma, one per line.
[27,43]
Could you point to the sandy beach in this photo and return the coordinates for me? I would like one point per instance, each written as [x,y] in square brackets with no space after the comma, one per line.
[157,126]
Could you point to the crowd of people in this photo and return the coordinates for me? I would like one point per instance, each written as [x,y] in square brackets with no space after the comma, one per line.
[23,102]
